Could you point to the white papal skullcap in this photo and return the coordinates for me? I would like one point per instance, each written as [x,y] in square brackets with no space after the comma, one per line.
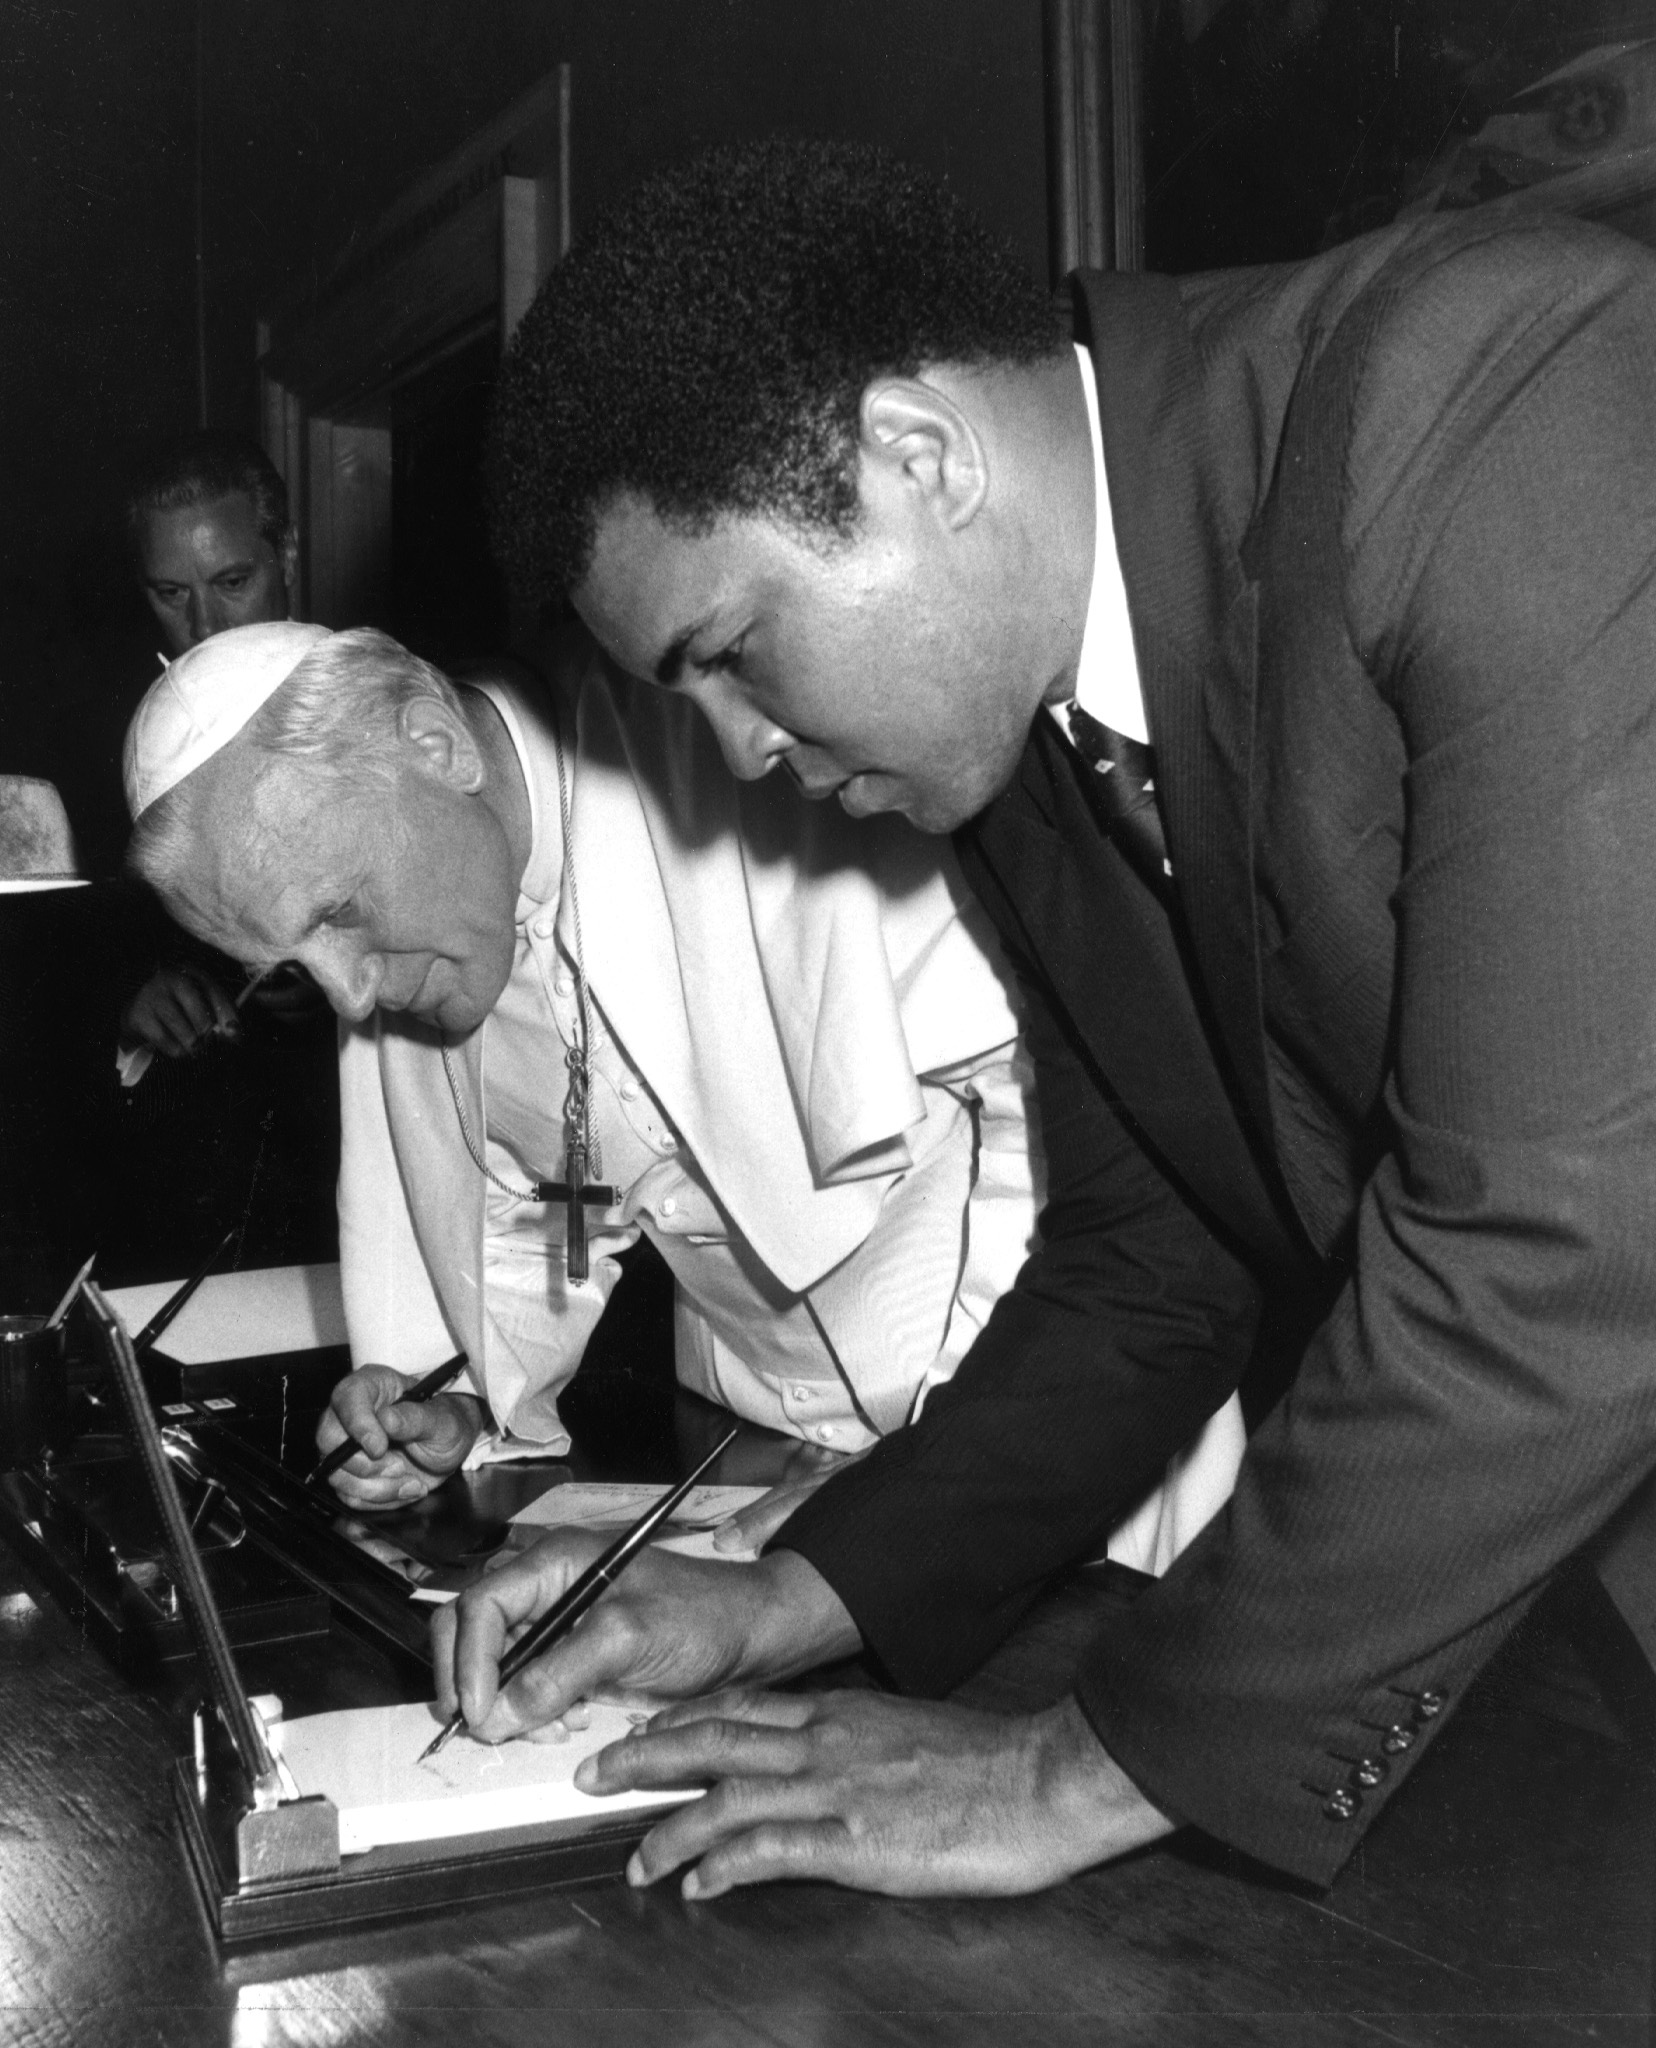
[201,701]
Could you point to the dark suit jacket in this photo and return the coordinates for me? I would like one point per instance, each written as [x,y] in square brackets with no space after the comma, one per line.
[1388,526]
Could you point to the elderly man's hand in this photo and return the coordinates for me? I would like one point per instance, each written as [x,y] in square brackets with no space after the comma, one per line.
[408,1447]
[884,1795]
[671,1626]
[175,1010]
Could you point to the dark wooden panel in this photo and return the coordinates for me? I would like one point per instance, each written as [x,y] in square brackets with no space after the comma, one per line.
[399,317]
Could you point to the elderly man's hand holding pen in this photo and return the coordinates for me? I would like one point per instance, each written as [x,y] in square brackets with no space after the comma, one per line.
[407,1447]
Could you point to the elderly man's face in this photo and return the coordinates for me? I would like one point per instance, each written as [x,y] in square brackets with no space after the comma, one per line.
[206,568]
[400,897]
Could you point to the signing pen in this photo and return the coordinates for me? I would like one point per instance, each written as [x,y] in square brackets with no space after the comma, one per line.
[593,1583]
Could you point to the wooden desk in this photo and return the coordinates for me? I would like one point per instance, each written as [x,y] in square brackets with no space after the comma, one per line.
[1506,1898]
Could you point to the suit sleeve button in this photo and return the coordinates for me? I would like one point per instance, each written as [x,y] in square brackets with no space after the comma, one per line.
[1397,1739]
[1342,1804]
[1371,1772]
[1430,1705]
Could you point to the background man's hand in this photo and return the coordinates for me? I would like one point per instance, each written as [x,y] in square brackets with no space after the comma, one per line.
[408,1447]
[672,1627]
[886,1795]
[175,1010]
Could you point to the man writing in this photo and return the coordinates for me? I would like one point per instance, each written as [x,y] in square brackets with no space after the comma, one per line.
[1340,997]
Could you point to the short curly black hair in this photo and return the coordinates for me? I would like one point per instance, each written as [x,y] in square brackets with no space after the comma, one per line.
[706,346]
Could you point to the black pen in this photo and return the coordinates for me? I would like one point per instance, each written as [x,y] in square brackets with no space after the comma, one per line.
[422,1390]
[598,1577]
[177,1299]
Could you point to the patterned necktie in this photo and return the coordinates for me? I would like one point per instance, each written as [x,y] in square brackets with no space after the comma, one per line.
[1123,788]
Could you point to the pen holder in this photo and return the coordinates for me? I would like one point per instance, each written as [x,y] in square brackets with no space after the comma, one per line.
[34,1393]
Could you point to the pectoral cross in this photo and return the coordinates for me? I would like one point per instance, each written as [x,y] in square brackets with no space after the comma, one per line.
[580,1194]
[575,1189]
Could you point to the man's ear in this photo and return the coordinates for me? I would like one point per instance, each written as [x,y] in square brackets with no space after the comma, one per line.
[444,742]
[915,434]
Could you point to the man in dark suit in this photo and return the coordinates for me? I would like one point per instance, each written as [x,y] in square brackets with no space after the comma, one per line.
[1286,659]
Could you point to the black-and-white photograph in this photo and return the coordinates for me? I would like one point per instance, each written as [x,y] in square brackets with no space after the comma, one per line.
[828,1024]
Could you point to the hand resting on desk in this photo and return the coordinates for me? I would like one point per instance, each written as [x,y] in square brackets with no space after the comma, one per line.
[886,1795]
[408,1447]
[672,1627]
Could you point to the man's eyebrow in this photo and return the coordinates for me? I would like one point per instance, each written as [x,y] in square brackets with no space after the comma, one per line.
[224,569]
[671,665]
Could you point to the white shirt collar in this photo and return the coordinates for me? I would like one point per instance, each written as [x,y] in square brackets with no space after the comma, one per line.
[1107,677]
[540,889]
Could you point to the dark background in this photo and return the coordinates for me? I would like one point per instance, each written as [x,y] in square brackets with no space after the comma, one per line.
[1274,124]
[317,114]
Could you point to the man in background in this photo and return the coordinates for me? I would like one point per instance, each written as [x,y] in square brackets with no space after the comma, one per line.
[215,547]
[215,543]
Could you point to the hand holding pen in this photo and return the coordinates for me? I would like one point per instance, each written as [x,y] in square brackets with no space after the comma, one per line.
[413,1439]
[175,1012]
[576,1599]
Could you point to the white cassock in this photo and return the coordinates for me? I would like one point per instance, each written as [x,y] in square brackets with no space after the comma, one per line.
[807,1089]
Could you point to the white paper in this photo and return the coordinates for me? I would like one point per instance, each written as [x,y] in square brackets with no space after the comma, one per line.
[581,1504]
[615,1506]
[364,1761]
[242,1315]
